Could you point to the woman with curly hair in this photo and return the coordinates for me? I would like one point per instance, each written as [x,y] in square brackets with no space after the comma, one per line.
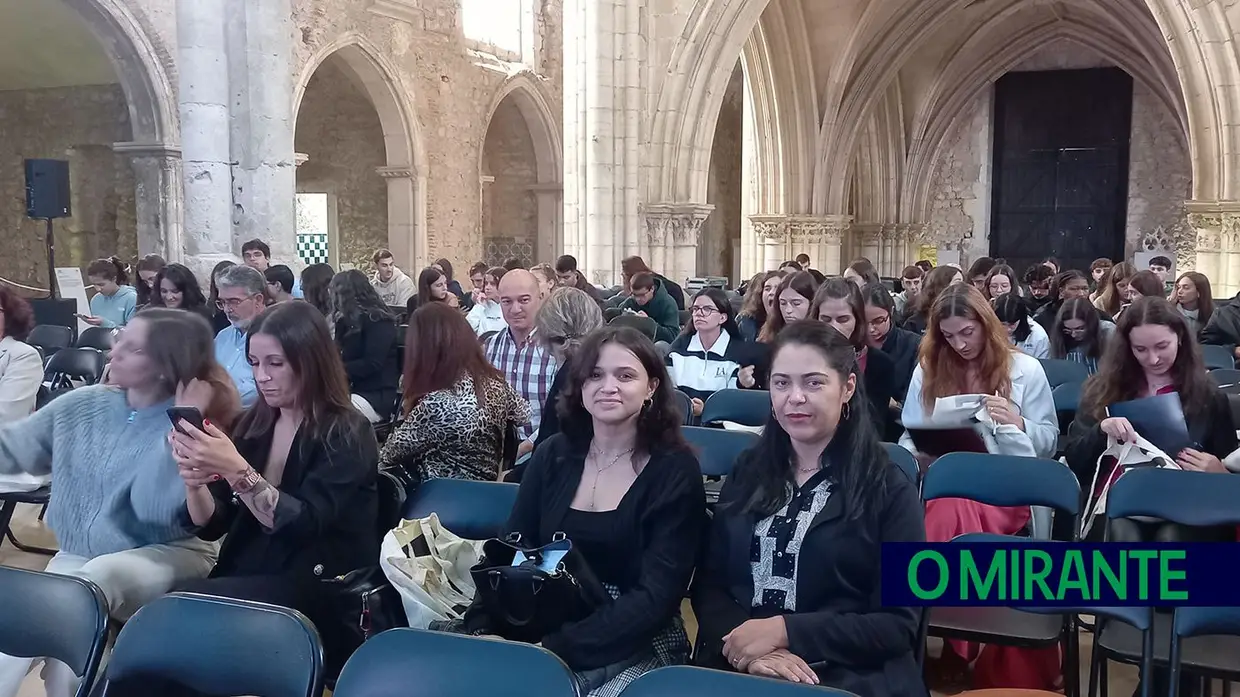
[365,331]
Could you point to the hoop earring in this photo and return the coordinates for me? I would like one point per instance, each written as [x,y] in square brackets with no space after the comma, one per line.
[847,410]
[647,403]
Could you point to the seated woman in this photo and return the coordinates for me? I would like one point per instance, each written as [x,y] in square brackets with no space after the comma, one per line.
[1113,291]
[1194,299]
[622,484]
[21,366]
[710,355]
[899,344]
[365,331]
[759,303]
[839,304]
[1000,281]
[966,351]
[486,316]
[293,493]
[790,303]
[820,462]
[561,324]
[1027,336]
[432,288]
[176,287]
[1077,334]
[114,302]
[916,317]
[457,405]
[118,498]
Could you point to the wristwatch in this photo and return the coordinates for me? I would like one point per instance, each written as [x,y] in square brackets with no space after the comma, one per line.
[249,479]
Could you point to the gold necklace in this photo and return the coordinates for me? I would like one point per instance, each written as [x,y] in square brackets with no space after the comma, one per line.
[598,472]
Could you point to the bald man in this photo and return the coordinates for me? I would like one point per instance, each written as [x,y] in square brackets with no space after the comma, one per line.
[525,363]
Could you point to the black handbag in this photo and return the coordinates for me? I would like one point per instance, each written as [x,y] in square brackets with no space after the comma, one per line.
[550,588]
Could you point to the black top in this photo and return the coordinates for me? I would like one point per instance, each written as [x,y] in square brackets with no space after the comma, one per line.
[674,290]
[1223,329]
[550,423]
[658,530]
[219,321]
[902,346]
[840,626]
[599,536]
[880,387]
[326,521]
[370,361]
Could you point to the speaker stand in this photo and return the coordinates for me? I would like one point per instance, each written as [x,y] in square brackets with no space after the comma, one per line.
[51,260]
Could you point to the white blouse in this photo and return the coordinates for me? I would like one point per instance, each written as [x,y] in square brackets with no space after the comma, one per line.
[1031,392]
[21,373]
[486,316]
[1038,343]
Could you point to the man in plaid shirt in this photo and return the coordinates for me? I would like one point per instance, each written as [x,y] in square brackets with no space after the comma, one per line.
[526,364]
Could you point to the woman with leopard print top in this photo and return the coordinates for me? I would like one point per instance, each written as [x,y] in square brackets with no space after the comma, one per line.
[457,405]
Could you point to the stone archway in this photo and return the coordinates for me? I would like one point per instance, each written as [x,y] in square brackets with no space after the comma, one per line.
[402,168]
[520,121]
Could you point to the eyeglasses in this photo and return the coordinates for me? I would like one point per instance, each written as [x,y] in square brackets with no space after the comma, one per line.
[230,303]
[879,321]
[1074,332]
[703,310]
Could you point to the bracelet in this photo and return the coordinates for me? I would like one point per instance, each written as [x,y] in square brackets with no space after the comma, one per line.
[247,481]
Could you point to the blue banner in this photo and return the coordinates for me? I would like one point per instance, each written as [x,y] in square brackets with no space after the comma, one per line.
[1060,574]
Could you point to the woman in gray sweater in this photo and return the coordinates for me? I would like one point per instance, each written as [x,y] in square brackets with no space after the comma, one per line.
[118,495]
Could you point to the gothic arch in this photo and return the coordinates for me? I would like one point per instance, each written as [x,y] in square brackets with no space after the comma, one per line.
[970,72]
[544,129]
[405,170]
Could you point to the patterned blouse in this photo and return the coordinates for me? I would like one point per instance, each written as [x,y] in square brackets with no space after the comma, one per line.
[776,545]
[447,435]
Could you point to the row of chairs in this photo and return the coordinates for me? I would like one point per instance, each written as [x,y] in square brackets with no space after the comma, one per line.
[51,338]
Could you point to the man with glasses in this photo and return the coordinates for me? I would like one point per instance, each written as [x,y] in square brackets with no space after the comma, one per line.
[242,296]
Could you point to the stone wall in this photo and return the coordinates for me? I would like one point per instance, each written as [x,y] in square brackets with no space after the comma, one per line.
[1159,170]
[339,130]
[509,222]
[719,248]
[77,124]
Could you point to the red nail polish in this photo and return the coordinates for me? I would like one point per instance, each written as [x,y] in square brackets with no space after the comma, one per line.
[215,477]
[206,422]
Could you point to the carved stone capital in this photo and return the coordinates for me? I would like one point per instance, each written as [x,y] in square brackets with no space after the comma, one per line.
[678,223]
[818,228]
[773,228]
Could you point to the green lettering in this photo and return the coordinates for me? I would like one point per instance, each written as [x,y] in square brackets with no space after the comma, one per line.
[1143,558]
[1102,567]
[1072,576]
[1166,574]
[1014,577]
[915,563]
[1037,576]
[970,578]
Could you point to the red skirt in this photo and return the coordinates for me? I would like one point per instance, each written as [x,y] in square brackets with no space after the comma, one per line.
[996,666]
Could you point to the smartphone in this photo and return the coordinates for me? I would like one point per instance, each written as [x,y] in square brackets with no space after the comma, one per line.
[189,414]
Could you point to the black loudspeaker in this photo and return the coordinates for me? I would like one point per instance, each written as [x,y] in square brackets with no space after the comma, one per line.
[47,189]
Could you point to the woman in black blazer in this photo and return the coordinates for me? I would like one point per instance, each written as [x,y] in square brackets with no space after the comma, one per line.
[621,483]
[882,333]
[366,333]
[838,303]
[295,498]
[812,611]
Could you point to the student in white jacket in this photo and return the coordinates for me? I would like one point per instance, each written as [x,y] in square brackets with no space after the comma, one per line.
[393,285]
[21,367]
[486,315]
[1030,337]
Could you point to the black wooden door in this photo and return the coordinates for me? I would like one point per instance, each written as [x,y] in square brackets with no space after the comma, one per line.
[1060,166]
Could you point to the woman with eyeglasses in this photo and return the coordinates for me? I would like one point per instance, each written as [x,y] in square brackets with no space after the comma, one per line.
[1077,334]
[882,335]
[567,317]
[710,355]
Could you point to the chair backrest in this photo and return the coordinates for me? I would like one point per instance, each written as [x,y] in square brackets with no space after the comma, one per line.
[645,325]
[663,347]
[219,646]
[50,337]
[717,449]
[1059,372]
[1202,621]
[473,510]
[1188,498]
[745,407]
[685,403]
[1225,377]
[686,680]
[905,461]
[85,364]
[452,665]
[391,501]
[61,617]
[100,338]
[1003,480]
[1218,356]
[1067,396]
[611,313]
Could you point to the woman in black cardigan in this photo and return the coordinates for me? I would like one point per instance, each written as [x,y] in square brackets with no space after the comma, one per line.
[838,303]
[813,612]
[622,484]
[882,333]
[295,498]
[366,334]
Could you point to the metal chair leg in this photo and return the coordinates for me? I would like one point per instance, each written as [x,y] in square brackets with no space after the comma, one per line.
[6,520]
[42,512]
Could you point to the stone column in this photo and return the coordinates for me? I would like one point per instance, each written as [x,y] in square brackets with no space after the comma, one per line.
[202,70]
[550,200]
[157,199]
[402,207]
[772,234]
[822,237]
[672,231]
[604,98]
[264,171]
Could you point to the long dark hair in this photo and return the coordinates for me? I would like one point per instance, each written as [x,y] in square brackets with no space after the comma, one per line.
[854,458]
[440,350]
[658,426]
[352,298]
[150,262]
[720,300]
[307,343]
[865,269]
[1120,377]
[426,279]
[1012,309]
[111,269]
[801,282]
[1082,309]
[937,281]
[841,289]
[1205,301]
[186,282]
[315,280]
[214,295]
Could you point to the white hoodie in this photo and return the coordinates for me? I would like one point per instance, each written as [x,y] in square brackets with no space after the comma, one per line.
[396,291]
